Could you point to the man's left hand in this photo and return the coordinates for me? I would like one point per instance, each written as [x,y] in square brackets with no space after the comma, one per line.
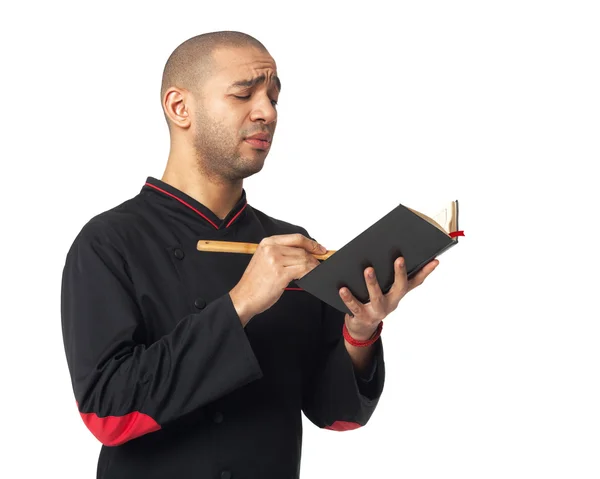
[367,316]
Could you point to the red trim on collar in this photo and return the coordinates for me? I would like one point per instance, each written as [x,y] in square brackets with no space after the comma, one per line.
[238,214]
[186,204]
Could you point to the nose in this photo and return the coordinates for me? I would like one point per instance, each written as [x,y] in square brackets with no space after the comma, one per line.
[264,110]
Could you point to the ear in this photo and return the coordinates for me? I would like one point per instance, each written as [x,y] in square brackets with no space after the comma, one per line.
[176,104]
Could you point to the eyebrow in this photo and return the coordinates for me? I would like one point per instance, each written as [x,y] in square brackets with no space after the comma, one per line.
[256,81]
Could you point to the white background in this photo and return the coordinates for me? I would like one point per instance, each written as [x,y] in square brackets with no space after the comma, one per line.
[493,365]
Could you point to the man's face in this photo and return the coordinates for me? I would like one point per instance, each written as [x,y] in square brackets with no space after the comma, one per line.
[227,114]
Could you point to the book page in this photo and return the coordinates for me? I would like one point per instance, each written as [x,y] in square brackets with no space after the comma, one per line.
[444,220]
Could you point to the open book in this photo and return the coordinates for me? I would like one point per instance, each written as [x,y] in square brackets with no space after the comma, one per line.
[402,232]
[446,220]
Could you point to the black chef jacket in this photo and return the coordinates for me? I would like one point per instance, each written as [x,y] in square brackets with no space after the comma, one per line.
[165,375]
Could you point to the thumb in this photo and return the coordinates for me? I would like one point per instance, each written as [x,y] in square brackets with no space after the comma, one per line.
[300,241]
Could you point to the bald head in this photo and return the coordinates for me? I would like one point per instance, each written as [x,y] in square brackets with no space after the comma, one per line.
[220,91]
[192,62]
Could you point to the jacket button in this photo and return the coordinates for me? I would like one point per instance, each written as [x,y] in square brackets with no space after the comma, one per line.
[199,303]
[178,253]
[218,418]
[225,475]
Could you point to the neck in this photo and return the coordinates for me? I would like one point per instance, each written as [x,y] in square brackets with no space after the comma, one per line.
[218,196]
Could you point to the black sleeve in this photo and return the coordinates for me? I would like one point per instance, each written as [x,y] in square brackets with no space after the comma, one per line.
[337,397]
[123,388]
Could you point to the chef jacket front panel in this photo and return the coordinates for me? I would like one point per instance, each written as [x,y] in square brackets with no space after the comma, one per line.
[255,429]
[282,337]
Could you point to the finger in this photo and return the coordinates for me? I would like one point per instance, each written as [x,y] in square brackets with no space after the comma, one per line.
[298,240]
[297,271]
[290,255]
[376,298]
[306,261]
[292,251]
[400,286]
[353,304]
[418,279]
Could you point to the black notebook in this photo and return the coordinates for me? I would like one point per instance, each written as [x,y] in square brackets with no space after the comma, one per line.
[402,232]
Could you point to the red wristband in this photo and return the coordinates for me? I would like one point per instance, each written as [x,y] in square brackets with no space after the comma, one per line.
[362,344]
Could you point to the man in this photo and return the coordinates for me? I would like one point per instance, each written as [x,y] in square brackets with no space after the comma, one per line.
[189,364]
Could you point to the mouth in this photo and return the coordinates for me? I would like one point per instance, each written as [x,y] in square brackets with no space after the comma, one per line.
[260,144]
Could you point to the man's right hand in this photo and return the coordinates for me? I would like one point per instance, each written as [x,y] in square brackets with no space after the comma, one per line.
[277,261]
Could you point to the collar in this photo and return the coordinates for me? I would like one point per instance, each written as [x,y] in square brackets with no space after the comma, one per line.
[177,199]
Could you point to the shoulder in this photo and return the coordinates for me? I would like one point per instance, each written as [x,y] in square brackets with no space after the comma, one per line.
[275,226]
[113,227]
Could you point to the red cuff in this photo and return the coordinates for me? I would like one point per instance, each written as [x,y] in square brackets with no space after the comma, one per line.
[362,344]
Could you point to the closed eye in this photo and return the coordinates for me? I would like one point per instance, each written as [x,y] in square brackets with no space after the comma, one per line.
[274,102]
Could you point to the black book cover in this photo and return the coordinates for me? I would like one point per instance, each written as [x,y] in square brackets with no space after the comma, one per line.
[399,233]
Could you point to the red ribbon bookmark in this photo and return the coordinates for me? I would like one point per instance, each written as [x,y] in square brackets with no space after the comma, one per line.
[457,233]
